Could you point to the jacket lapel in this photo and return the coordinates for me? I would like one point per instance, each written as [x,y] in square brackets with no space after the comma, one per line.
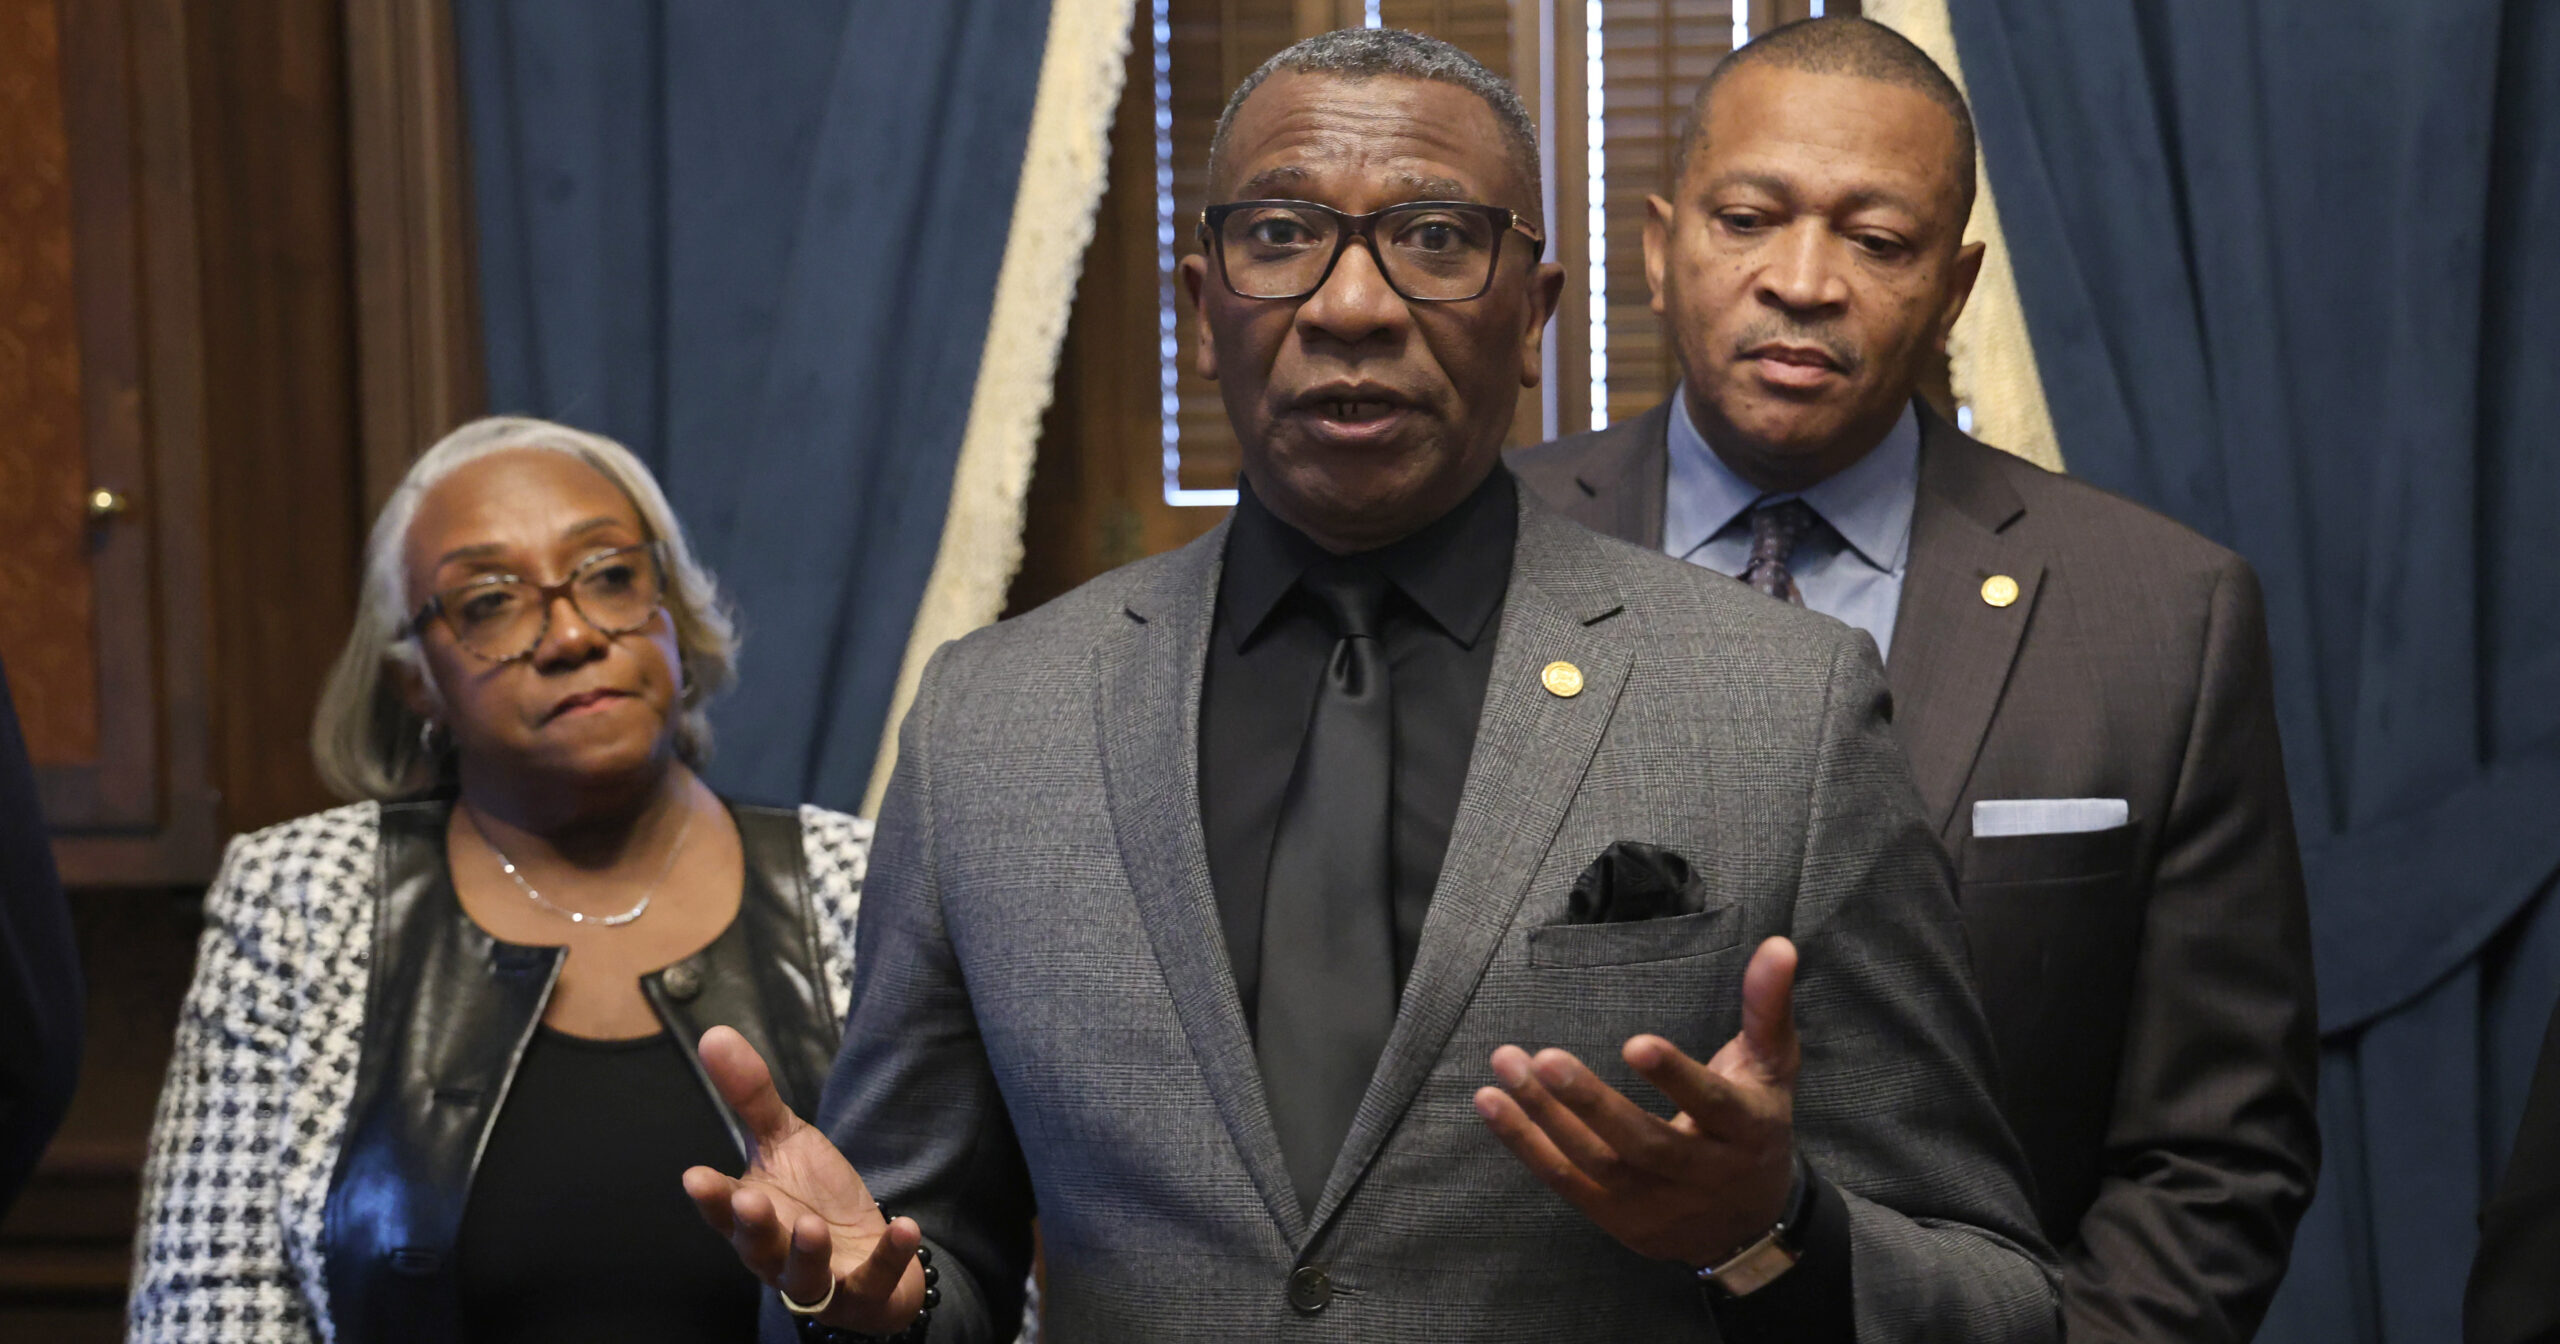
[1148,670]
[1532,748]
[1620,477]
[1952,649]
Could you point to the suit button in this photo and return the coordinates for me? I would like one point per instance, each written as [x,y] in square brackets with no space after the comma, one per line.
[1310,1290]
[683,982]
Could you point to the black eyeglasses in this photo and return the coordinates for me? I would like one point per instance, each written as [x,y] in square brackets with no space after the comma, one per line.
[1429,251]
[503,618]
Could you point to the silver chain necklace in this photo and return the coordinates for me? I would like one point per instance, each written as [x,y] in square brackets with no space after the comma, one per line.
[508,866]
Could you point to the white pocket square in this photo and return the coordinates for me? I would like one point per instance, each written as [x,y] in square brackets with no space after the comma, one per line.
[2047,816]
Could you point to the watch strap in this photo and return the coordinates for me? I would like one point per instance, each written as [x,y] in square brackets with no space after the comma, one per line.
[1776,1251]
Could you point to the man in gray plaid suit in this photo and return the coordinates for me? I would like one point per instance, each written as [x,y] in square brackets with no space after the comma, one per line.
[1218,906]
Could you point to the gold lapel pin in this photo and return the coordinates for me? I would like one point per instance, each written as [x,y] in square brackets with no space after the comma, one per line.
[1562,679]
[1999,590]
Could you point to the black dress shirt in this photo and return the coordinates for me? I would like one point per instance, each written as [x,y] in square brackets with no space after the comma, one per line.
[1267,653]
[1268,646]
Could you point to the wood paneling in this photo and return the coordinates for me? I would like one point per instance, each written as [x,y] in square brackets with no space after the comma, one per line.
[280,414]
[222,238]
[336,230]
[142,810]
[417,307]
[45,592]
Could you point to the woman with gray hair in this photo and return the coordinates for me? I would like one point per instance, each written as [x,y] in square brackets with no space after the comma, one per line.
[434,1032]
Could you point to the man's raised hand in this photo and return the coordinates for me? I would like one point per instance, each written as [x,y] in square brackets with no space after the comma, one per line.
[801,1218]
[1695,1188]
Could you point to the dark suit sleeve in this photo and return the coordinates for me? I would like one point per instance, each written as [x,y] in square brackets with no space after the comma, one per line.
[912,1100]
[2213,1144]
[40,986]
[2514,1296]
[1893,1106]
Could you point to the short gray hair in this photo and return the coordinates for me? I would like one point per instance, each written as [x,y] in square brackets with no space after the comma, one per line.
[1366,53]
[366,740]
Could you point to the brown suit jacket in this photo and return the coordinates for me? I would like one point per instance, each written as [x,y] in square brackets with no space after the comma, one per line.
[2149,987]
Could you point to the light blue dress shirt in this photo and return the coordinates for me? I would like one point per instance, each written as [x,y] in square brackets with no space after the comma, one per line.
[1851,568]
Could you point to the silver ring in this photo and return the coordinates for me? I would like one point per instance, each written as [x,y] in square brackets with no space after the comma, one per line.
[814,1308]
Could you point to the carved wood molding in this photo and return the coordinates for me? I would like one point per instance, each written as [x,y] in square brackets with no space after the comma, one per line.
[145,813]
[417,307]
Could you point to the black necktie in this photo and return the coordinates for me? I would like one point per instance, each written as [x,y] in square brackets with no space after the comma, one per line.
[1775,530]
[1327,997]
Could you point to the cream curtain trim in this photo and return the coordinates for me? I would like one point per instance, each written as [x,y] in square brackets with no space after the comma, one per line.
[1994,362]
[1064,167]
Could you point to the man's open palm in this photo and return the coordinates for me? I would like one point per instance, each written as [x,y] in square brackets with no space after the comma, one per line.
[801,1217]
[1695,1187]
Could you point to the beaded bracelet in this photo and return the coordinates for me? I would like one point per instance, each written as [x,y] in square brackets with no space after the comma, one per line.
[813,1333]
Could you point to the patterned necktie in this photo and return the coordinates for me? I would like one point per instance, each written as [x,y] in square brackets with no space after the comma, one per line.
[1327,997]
[1775,530]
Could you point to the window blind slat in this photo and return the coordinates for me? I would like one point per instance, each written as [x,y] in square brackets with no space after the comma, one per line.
[1655,53]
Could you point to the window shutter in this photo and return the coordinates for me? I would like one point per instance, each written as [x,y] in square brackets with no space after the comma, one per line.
[1216,43]
[1656,54]
[1480,28]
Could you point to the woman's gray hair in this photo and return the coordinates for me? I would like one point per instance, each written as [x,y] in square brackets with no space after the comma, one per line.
[366,740]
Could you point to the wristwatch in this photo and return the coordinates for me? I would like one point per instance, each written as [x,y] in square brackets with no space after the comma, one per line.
[1759,1264]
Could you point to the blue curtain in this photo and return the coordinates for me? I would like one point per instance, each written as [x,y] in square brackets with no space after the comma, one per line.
[758,242]
[2288,272]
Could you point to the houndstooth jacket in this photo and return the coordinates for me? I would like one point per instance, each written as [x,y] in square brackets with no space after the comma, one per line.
[254,1111]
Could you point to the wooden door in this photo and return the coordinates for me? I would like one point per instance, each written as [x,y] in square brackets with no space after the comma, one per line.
[102,601]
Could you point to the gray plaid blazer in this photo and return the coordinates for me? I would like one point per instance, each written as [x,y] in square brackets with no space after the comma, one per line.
[1043,1017]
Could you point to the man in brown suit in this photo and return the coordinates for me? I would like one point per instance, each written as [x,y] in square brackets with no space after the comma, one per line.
[2081,684]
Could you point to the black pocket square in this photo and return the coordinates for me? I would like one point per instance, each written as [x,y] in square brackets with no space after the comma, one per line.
[1631,881]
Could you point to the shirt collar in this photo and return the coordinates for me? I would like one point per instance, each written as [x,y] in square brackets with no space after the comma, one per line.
[1869,503]
[1455,570]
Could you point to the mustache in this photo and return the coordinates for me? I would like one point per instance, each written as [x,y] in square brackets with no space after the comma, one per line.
[1782,330]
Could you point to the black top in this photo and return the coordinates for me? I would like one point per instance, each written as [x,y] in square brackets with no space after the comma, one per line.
[578,1227]
[1267,653]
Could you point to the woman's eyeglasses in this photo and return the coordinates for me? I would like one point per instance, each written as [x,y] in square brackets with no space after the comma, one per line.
[502,618]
